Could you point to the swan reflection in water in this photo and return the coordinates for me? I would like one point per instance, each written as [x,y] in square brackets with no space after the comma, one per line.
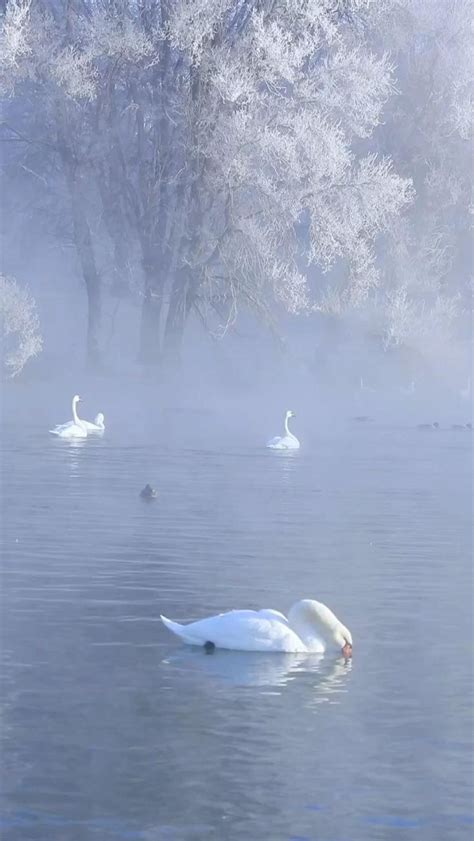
[73,449]
[270,671]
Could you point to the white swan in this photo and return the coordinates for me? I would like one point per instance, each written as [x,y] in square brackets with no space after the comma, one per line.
[287,441]
[97,426]
[74,428]
[310,627]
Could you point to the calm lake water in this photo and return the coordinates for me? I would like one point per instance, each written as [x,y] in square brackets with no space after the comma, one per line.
[113,730]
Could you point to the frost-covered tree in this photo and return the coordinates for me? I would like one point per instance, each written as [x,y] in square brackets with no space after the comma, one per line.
[48,86]
[20,328]
[428,132]
[229,143]
[280,96]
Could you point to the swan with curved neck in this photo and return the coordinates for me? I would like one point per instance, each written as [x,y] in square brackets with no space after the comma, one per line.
[74,428]
[288,441]
[70,429]
[98,425]
[310,627]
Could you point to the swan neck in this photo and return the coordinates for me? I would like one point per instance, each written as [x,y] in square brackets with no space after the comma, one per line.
[287,430]
[308,632]
[309,636]
[317,626]
[75,416]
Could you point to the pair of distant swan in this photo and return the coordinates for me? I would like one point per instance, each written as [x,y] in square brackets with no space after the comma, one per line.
[311,627]
[288,441]
[78,428]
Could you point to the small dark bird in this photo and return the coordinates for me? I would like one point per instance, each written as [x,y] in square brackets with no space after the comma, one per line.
[434,425]
[148,492]
[209,647]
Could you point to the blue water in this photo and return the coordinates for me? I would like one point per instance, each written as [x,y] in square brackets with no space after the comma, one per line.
[112,730]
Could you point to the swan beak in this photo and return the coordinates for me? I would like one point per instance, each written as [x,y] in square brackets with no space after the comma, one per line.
[347,650]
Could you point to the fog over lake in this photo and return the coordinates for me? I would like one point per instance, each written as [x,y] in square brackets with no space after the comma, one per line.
[113,728]
[236,370]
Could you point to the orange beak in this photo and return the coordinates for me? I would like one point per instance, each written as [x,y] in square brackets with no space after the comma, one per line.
[347,650]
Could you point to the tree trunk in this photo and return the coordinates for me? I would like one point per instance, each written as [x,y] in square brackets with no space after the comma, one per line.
[178,311]
[149,353]
[85,251]
[116,228]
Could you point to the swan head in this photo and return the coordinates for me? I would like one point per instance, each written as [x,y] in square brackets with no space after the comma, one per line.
[99,419]
[347,650]
[76,399]
[290,414]
[312,619]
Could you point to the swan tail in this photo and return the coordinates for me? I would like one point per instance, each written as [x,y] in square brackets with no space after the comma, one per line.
[180,631]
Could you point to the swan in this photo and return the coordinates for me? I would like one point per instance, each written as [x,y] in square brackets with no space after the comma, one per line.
[74,428]
[287,441]
[97,426]
[311,627]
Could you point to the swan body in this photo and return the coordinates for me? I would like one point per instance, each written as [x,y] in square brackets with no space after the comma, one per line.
[74,428]
[288,441]
[311,627]
[97,426]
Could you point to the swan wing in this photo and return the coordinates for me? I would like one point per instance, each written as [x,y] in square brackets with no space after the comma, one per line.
[287,442]
[273,614]
[275,442]
[71,430]
[290,442]
[61,427]
[240,630]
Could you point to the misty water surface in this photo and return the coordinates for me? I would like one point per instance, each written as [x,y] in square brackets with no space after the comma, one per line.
[113,730]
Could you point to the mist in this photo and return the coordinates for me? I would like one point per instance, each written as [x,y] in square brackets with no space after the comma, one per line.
[172,221]
[241,607]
